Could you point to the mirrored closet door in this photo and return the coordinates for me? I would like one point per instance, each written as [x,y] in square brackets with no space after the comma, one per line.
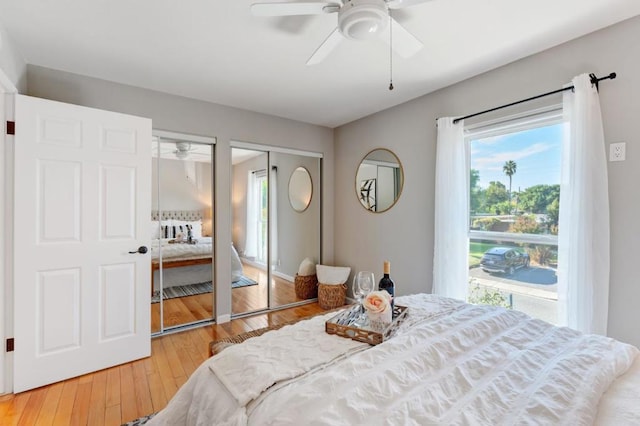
[295,223]
[182,231]
[249,232]
[275,225]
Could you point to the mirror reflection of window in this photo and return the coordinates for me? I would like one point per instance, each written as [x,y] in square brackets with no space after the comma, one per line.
[273,238]
[249,230]
[379,180]
[257,217]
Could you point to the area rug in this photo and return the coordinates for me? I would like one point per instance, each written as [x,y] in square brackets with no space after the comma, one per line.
[193,289]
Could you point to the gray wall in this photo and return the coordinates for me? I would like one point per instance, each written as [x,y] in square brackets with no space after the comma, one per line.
[298,232]
[185,115]
[176,191]
[11,63]
[404,234]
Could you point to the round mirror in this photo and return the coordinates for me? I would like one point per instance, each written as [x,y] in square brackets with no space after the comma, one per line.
[300,189]
[379,180]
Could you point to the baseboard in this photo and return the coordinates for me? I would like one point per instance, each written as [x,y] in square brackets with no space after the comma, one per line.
[252,263]
[283,276]
[221,319]
[262,266]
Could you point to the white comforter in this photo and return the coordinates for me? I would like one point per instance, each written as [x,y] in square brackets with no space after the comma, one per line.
[450,363]
[202,248]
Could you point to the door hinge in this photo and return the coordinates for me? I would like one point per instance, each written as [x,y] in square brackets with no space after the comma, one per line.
[10,343]
[11,127]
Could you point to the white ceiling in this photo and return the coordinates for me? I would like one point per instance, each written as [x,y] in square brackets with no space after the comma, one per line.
[217,51]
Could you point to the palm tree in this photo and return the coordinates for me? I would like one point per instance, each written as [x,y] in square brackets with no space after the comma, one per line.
[509,169]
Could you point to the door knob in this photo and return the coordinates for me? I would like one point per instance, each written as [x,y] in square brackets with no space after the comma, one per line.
[141,250]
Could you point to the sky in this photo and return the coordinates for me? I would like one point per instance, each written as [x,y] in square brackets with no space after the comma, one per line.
[536,153]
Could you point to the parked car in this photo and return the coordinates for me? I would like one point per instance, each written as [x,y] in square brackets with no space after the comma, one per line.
[504,259]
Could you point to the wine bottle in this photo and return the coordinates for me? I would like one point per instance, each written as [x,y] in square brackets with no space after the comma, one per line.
[386,283]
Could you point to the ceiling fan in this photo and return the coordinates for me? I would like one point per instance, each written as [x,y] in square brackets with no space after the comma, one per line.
[357,20]
[182,150]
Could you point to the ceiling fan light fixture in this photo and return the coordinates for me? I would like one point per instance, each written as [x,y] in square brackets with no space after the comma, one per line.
[362,19]
[182,154]
[182,150]
[183,146]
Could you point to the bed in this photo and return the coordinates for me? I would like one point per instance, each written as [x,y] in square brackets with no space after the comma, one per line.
[449,363]
[183,263]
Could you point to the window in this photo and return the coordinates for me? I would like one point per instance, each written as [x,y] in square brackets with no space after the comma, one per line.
[261,214]
[514,182]
[257,218]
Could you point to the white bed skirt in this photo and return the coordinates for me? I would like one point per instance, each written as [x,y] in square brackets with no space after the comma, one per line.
[183,275]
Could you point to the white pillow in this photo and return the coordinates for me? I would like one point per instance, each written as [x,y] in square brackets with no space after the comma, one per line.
[166,233]
[196,230]
[155,229]
[307,267]
[333,275]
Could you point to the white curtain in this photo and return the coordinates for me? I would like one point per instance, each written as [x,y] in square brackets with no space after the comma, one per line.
[451,234]
[251,237]
[273,219]
[583,240]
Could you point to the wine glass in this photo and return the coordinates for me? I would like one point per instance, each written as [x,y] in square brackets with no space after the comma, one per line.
[363,284]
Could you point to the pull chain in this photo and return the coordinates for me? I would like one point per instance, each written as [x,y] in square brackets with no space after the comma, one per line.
[390,52]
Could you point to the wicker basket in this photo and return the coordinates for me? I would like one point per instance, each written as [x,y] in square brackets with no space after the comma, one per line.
[306,286]
[331,296]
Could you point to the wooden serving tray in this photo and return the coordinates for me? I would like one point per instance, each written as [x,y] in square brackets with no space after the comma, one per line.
[343,326]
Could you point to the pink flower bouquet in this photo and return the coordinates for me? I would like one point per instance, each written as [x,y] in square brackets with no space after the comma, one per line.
[378,307]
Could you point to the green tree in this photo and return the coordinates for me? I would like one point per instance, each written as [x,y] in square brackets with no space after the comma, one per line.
[537,198]
[509,169]
[476,194]
[495,194]
[525,224]
[553,214]
[474,178]
[485,223]
[503,207]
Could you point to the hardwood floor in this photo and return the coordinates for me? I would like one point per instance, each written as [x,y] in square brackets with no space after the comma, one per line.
[251,298]
[126,392]
[188,309]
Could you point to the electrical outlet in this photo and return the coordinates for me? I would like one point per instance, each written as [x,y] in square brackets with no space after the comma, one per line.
[617,151]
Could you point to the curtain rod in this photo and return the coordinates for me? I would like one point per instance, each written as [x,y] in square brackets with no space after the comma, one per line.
[594,80]
[264,170]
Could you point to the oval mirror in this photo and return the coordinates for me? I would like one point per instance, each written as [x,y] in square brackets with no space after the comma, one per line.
[300,189]
[379,180]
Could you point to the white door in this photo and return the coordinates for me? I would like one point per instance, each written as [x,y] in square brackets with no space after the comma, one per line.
[82,203]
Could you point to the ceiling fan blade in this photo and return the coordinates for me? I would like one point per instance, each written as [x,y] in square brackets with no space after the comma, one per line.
[404,43]
[289,8]
[399,4]
[327,46]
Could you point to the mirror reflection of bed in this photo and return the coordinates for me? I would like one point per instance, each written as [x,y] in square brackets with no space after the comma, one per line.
[270,226]
[185,267]
[182,233]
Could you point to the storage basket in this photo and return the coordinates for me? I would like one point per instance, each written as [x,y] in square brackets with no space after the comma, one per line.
[331,296]
[306,286]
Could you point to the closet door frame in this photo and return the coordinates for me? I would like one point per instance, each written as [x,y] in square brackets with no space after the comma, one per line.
[158,136]
[7,90]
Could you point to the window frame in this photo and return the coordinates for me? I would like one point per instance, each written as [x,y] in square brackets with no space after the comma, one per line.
[261,186]
[531,119]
